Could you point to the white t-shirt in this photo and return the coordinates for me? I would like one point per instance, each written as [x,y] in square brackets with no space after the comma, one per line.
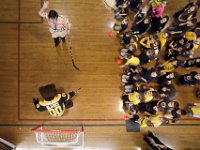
[59,27]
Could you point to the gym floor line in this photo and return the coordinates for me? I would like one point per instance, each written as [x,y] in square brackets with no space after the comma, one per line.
[90,125]
[88,119]
[23,22]
[87,125]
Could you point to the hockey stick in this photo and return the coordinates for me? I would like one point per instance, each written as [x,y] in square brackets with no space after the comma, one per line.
[77,90]
[70,52]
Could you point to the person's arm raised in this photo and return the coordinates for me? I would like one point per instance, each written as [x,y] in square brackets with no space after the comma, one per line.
[45,6]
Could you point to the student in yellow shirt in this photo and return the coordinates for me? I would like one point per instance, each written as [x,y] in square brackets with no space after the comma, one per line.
[148,95]
[168,66]
[190,36]
[131,61]
[145,122]
[157,120]
[162,37]
[134,41]
[156,3]
[195,46]
[134,98]
[154,120]
[146,42]
[192,42]
[194,110]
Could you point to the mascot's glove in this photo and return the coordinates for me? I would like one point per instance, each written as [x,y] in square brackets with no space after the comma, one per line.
[72,93]
[35,101]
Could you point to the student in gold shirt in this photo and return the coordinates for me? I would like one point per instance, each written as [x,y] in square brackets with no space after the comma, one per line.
[162,37]
[134,98]
[194,110]
[147,41]
[168,66]
[154,120]
[148,95]
[190,36]
[131,61]
[156,3]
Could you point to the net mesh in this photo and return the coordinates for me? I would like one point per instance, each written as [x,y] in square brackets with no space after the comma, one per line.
[59,138]
[110,4]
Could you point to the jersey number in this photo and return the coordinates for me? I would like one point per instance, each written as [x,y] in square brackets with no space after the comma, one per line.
[57,111]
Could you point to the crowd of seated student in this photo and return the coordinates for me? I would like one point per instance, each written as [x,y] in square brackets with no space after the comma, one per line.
[149,34]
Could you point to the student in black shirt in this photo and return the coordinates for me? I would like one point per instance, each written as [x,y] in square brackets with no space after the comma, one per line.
[165,105]
[196,29]
[186,8]
[122,11]
[191,63]
[135,5]
[172,54]
[147,55]
[182,27]
[177,42]
[189,79]
[157,24]
[148,75]
[140,15]
[119,3]
[167,92]
[126,38]
[188,14]
[141,27]
[130,108]
[175,114]
[166,78]
[144,58]
[120,26]
[150,107]
[176,47]
[187,50]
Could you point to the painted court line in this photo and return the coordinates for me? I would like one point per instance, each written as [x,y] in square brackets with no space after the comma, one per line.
[18,64]
[89,119]
[23,22]
[62,125]
[89,125]
[21,119]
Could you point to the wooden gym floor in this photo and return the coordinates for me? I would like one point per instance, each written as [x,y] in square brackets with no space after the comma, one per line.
[29,60]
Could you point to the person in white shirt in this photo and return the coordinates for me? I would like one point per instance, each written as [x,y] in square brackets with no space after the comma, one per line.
[59,25]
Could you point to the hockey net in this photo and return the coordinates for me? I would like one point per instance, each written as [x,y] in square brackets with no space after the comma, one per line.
[110,4]
[59,138]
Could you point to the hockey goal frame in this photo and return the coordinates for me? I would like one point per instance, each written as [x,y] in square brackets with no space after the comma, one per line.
[43,137]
